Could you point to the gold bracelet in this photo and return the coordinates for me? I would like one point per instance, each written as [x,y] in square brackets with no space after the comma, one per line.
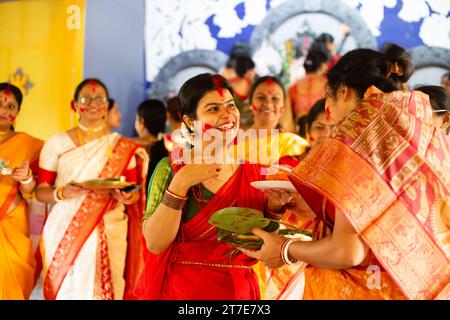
[60,193]
[173,202]
[176,195]
[28,177]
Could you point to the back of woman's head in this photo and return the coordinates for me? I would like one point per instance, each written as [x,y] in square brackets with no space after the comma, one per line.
[269,79]
[153,113]
[173,107]
[5,86]
[361,68]
[111,102]
[439,98]
[314,60]
[317,109]
[196,87]
[243,64]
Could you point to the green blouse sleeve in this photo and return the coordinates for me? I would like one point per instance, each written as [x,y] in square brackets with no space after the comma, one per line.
[160,180]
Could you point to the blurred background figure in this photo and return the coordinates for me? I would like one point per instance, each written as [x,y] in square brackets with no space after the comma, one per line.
[114,117]
[150,125]
[240,74]
[445,81]
[440,102]
[173,124]
[305,92]
[325,43]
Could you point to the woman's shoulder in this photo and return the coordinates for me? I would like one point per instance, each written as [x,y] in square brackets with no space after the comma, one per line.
[29,138]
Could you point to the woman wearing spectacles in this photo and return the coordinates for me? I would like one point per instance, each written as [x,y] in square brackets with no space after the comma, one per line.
[90,238]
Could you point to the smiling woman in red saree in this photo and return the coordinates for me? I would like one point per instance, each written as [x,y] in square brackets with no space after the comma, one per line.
[184,259]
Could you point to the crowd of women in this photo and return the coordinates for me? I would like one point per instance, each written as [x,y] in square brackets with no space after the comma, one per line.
[369,159]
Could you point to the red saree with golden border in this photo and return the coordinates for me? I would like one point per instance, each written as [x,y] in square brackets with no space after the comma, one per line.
[385,167]
[198,267]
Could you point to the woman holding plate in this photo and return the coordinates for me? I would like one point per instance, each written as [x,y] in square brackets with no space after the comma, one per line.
[90,242]
[385,225]
[184,258]
[21,152]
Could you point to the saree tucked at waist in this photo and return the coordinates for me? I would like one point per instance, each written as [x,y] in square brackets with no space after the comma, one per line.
[385,167]
[196,265]
[17,263]
[90,245]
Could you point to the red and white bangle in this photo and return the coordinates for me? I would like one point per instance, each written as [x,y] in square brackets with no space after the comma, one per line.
[284,252]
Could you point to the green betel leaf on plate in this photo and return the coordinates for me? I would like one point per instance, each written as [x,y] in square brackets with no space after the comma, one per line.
[239,220]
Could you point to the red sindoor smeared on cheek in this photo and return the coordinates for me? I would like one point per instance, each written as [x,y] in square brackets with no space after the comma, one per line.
[12,118]
[206,127]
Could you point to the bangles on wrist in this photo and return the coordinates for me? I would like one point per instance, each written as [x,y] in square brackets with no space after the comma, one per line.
[28,178]
[58,195]
[173,200]
[284,252]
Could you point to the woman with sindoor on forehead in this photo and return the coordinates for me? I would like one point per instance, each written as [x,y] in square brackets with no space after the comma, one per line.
[382,185]
[19,156]
[90,242]
[184,258]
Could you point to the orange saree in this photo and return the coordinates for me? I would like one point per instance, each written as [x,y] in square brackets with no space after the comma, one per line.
[385,167]
[17,263]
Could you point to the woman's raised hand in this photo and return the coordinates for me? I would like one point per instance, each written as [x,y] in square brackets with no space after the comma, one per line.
[192,174]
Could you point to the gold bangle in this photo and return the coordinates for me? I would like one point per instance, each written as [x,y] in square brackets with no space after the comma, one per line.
[176,195]
[60,194]
[29,175]
[173,202]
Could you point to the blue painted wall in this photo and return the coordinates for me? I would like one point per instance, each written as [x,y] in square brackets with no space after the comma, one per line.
[114,52]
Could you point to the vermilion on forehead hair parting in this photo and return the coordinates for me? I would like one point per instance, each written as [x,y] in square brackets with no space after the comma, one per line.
[328,113]
[93,84]
[218,82]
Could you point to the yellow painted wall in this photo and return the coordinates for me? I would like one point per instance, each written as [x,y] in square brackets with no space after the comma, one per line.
[44,39]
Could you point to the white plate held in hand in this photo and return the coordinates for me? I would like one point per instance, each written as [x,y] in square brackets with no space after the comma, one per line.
[273,184]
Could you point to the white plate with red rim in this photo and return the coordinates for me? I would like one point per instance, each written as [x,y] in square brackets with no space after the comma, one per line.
[273,184]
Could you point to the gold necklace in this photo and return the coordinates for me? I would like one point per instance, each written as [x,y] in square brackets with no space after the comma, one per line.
[91,137]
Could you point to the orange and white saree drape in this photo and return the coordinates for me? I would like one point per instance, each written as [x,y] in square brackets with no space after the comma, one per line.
[386,168]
